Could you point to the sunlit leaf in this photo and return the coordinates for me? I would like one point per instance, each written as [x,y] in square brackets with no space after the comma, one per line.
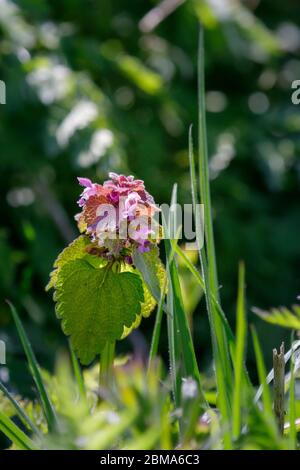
[75,250]
[95,304]
[281,316]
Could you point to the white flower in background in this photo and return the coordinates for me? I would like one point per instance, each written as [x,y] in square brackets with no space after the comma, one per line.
[101,141]
[11,21]
[289,36]
[83,113]
[51,81]
[224,154]
[17,197]
[189,388]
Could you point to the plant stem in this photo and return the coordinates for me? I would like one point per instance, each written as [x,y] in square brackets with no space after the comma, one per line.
[78,374]
[279,366]
[106,364]
[157,327]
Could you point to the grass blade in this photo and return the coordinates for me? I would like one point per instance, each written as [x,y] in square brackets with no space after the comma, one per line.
[22,415]
[18,437]
[207,252]
[204,172]
[182,353]
[35,370]
[157,327]
[174,357]
[227,328]
[241,331]
[160,308]
[208,265]
[266,396]
[229,334]
[173,339]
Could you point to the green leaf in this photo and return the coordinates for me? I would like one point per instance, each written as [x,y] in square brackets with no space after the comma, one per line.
[133,326]
[281,316]
[149,301]
[74,250]
[95,304]
[146,308]
[151,269]
[153,275]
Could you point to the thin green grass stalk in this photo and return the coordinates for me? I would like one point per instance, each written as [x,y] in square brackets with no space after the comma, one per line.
[292,405]
[227,328]
[208,256]
[21,413]
[174,358]
[204,186]
[159,315]
[160,309]
[78,374]
[223,388]
[182,354]
[222,362]
[262,375]
[241,331]
[35,371]
[194,271]
[173,339]
[190,266]
[14,433]
[106,364]
[157,327]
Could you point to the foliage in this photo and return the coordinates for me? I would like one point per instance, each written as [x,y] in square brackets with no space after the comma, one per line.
[282,316]
[100,302]
[97,89]
[105,302]
[92,89]
[135,412]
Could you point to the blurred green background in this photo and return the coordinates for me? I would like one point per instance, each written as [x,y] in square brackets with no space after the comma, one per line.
[94,86]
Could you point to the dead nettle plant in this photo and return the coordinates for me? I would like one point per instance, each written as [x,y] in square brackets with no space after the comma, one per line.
[111,276]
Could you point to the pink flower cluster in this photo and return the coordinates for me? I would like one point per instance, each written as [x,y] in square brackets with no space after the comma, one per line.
[118,215]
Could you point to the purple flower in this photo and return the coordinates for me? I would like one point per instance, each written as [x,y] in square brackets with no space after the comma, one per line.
[90,190]
[85,182]
[117,215]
